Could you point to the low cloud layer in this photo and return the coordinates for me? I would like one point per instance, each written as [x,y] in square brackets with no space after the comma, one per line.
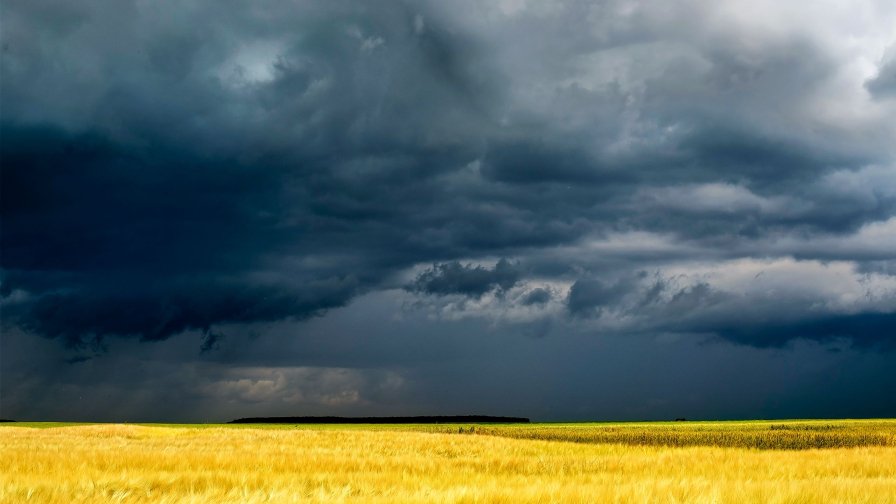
[468,280]
[707,170]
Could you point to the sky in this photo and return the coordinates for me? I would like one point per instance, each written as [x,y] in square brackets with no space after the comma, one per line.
[563,210]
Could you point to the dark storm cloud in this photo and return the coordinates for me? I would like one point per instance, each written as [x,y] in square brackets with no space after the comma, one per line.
[761,319]
[588,295]
[466,279]
[159,311]
[537,296]
[289,156]
[166,197]
[530,162]
[109,241]
[865,329]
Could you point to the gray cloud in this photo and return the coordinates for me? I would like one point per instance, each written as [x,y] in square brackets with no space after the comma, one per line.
[592,294]
[537,296]
[466,279]
[883,85]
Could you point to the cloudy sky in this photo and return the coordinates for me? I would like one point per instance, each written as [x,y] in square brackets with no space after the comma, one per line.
[611,209]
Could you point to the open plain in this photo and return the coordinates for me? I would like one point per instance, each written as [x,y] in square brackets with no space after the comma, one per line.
[701,462]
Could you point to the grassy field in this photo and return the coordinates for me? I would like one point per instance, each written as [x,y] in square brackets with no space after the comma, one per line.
[784,462]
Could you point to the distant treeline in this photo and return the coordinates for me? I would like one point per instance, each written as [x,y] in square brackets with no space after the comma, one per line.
[384,420]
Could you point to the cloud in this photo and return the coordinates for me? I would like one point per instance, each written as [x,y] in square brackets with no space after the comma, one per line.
[466,279]
[864,329]
[163,310]
[297,156]
[592,294]
[883,85]
[759,303]
[297,387]
[537,296]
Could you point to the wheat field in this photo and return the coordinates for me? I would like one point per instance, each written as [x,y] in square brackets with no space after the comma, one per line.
[691,462]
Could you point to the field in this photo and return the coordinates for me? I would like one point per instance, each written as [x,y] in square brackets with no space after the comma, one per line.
[702,462]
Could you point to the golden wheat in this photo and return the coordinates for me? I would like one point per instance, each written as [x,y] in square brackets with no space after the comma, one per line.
[779,435]
[127,463]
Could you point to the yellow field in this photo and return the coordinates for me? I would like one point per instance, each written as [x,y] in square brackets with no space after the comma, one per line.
[129,463]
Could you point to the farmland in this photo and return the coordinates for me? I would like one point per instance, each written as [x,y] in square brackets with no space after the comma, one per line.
[781,461]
